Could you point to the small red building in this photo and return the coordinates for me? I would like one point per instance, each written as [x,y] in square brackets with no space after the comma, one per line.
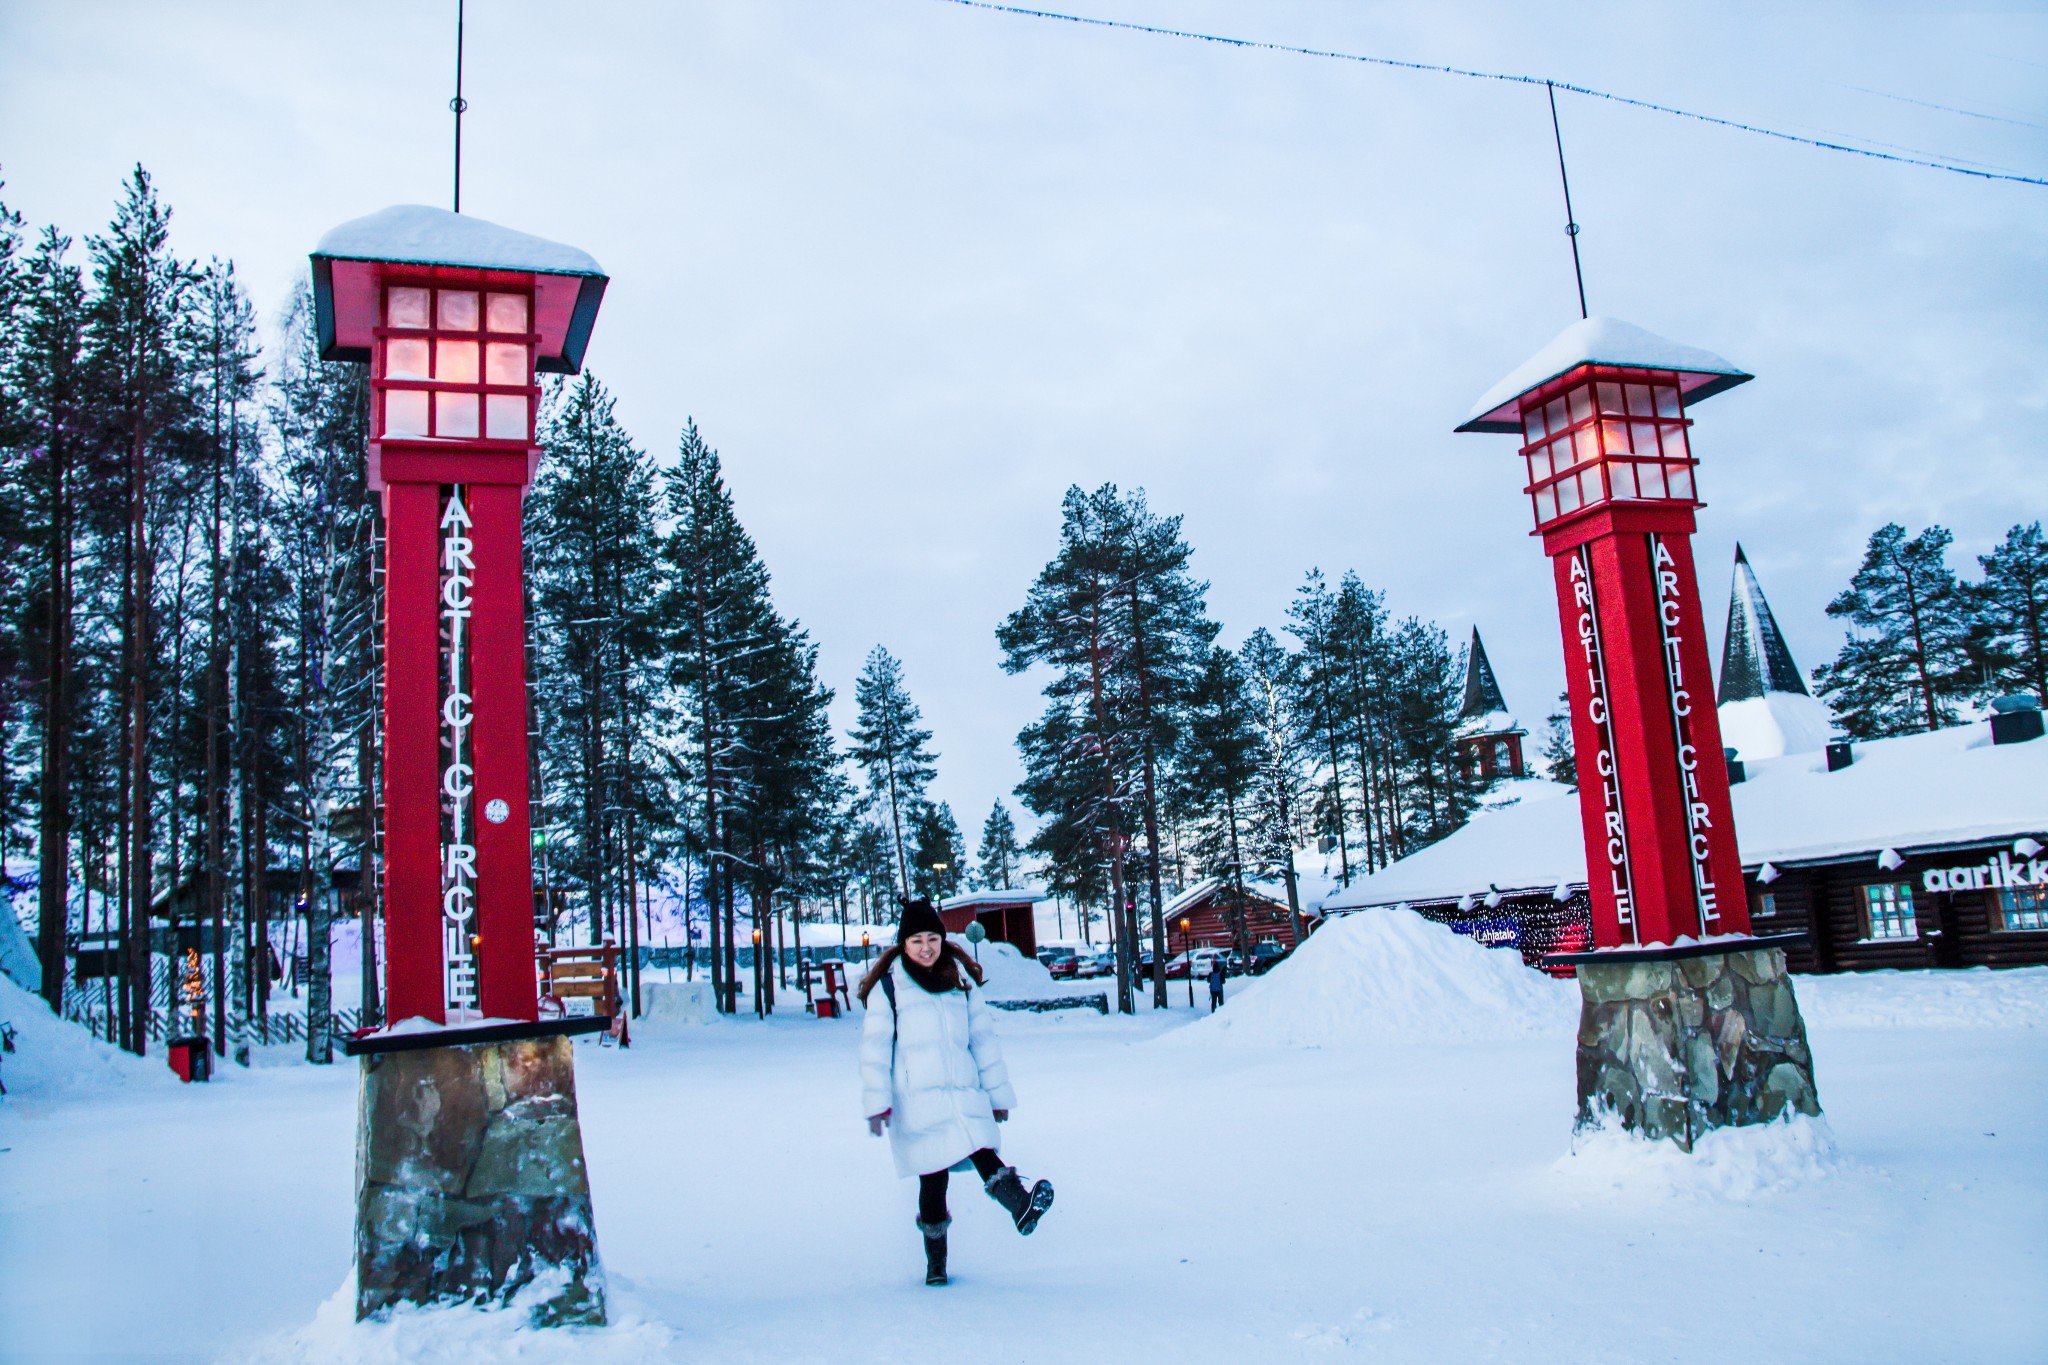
[1489,741]
[1209,910]
[1006,916]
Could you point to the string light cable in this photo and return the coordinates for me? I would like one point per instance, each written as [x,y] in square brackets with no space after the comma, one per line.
[1929,163]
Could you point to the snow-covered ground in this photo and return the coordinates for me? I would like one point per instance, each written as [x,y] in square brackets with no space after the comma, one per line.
[1405,1190]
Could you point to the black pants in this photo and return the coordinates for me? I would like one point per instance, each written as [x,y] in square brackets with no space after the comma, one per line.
[931,1189]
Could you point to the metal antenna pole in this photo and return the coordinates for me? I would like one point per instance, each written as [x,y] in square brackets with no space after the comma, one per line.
[1571,225]
[461,105]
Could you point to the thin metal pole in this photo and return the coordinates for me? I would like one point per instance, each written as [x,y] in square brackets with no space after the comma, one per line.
[459,105]
[1571,224]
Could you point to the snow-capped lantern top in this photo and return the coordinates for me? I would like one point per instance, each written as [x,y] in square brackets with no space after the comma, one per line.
[1601,410]
[454,316]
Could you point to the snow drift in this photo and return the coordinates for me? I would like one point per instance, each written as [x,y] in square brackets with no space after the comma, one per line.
[54,1056]
[1728,1163]
[1008,974]
[1972,997]
[1390,973]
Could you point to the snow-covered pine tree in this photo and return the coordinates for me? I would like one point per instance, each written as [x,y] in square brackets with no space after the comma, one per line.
[894,752]
[996,861]
[1216,766]
[1905,662]
[941,856]
[1317,690]
[2011,610]
[1558,760]
[1275,801]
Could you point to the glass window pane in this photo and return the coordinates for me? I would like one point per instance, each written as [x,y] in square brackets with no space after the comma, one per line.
[1546,504]
[506,416]
[506,313]
[405,412]
[1567,494]
[1674,443]
[1591,490]
[458,310]
[1679,477]
[455,415]
[1553,414]
[455,361]
[1585,446]
[1532,425]
[405,308]
[1610,399]
[1650,480]
[1645,434]
[1614,437]
[406,358]
[1581,404]
[1639,400]
[1667,401]
[504,363]
[1622,476]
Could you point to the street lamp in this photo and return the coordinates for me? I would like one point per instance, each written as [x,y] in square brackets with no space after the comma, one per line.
[1187,949]
[863,947]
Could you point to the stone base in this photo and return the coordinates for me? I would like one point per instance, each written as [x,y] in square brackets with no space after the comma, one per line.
[470,1183]
[1674,1048]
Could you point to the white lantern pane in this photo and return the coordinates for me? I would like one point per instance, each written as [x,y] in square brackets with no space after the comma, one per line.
[1585,445]
[1532,425]
[1591,490]
[455,362]
[1610,400]
[1581,401]
[458,310]
[1667,401]
[504,363]
[405,308]
[1650,477]
[1679,477]
[1614,437]
[406,358]
[505,313]
[1553,414]
[505,416]
[1622,475]
[1644,436]
[1546,504]
[405,412]
[1561,453]
[1639,400]
[1567,494]
[455,415]
[1674,443]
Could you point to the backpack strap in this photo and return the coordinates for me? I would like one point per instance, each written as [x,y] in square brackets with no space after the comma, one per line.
[889,989]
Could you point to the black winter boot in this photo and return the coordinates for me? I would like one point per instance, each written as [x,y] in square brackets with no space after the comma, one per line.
[1025,1206]
[934,1250]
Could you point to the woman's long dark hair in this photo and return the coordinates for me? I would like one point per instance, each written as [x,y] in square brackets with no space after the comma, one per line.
[951,961]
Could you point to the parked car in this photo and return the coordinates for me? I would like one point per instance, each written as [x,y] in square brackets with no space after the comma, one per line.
[1059,962]
[1090,965]
[1266,956]
[1177,966]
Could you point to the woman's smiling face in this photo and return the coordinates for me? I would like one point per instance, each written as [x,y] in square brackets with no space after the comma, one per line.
[924,949]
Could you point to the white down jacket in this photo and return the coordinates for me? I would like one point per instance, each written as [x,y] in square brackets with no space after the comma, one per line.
[942,1081]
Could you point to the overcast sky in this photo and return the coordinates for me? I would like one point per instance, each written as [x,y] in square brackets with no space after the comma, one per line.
[916,268]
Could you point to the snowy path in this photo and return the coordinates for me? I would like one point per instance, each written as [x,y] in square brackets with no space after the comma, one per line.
[1395,1201]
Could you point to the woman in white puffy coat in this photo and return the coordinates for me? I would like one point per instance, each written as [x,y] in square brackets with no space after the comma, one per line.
[932,1074]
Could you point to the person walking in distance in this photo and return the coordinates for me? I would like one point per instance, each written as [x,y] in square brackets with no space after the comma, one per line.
[1216,974]
[932,1074]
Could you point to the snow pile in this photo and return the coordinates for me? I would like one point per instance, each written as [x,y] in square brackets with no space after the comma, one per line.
[1728,1163]
[1390,973]
[1776,724]
[54,1056]
[17,959]
[422,235]
[1973,997]
[1008,974]
[457,1336]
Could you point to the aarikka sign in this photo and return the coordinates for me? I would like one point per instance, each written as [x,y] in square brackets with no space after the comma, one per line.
[1993,874]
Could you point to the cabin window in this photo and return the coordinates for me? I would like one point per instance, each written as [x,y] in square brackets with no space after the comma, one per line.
[1765,905]
[1888,911]
[2022,908]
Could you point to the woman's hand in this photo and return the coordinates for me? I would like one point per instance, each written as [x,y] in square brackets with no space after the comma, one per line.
[1002,1116]
[877,1122]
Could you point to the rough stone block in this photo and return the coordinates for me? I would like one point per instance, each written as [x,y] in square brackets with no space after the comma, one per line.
[470,1181]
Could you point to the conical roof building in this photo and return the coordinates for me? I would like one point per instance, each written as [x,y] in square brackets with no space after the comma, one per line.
[1765,709]
[1488,739]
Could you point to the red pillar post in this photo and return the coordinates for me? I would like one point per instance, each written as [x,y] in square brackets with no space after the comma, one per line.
[412,803]
[504,840]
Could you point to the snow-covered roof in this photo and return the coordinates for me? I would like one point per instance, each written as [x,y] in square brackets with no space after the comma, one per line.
[1776,724]
[568,284]
[1482,690]
[1208,886]
[416,234]
[1602,341]
[1017,895]
[1950,787]
[1755,660]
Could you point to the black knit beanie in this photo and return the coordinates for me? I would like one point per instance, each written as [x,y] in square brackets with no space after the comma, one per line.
[919,918]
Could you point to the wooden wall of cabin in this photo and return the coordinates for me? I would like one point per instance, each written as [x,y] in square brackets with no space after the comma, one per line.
[1828,903]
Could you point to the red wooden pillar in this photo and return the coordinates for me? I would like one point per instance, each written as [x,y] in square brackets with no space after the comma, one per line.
[504,840]
[412,801]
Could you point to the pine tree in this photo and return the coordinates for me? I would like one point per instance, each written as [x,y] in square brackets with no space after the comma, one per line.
[2012,612]
[997,859]
[1318,690]
[941,855]
[1276,795]
[1218,765]
[1905,672]
[893,750]
[1558,759]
